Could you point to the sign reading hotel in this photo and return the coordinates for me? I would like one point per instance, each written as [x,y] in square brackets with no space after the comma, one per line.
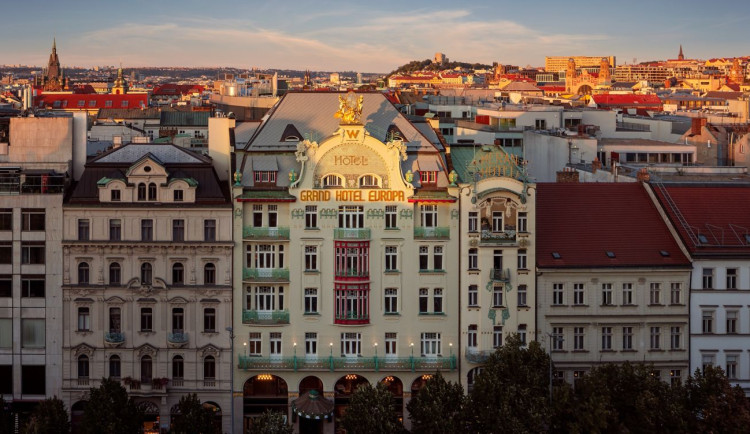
[351,195]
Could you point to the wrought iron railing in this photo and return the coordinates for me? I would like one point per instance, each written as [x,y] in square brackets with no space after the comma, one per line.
[265,274]
[177,337]
[351,233]
[263,233]
[438,232]
[500,275]
[114,337]
[265,317]
[336,363]
[489,237]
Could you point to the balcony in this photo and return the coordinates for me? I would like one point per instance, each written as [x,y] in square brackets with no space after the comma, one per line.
[353,273]
[114,339]
[500,275]
[352,318]
[177,339]
[266,274]
[433,233]
[477,356]
[262,233]
[336,363]
[265,317]
[507,236]
[351,233]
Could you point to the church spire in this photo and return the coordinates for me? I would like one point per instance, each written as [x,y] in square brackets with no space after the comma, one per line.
[54,45]
[680,56]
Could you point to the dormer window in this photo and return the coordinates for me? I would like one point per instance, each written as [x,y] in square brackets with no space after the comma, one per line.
[141,191]
[369,181]
[152,191]
[427,177]
[178,195]
[264,177]
[332,181]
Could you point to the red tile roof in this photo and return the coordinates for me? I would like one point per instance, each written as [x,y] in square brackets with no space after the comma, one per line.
[631,100]
[582,222]
[89,101]
[720,213]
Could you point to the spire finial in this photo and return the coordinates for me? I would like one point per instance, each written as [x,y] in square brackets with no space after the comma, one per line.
[54,44]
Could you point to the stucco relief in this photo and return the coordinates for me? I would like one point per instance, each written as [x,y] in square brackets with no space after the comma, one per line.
[352,161]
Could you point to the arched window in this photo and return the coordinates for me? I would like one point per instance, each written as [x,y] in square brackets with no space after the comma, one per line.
[83,273]
[209,274]
[178,274]
[141,191]
[209,368]
[114,274]
[332,181]
[83,366]
[146,273]
[178,368]
[369,181]
[114,366]
[152,191]
[146,369]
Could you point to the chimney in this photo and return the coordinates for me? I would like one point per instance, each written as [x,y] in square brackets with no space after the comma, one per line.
[697,125]
[595,165]
[568,174]
[643,175]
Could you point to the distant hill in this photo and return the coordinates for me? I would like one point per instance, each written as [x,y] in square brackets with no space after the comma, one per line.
[428,65]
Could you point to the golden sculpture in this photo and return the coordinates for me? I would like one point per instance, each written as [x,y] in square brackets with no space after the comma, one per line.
[350,109]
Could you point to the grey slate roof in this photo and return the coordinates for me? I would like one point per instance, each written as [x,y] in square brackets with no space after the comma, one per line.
[184,119]
[165,152]
[134,113]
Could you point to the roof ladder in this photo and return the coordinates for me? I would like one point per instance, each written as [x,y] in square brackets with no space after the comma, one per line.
[676,211]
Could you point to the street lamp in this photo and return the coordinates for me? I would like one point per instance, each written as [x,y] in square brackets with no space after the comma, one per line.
[245,344]
[231,374]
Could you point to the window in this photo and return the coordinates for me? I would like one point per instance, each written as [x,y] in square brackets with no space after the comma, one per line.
[391,258]
[522,333]
[391,219]
[369,181]
[578,338]
[606,294]
[273,216]
[32,286]
[437,258]
[209,230]
[424,296]
[178,230]
[84,319]
[311,344]
[83,366]
[32,333]
[265,256]
[627,338]
[430,344]
[115,370]
[83,230]
[32,253]
[708,278]
[83,273]
[146,369]
[147,230]
[6,253]
[427,177]
[141,191]
[257,215]
[33,379]
[178,274]
[424,258]
[114,195]
[557,294]
[655,293]
[708,321]
[522,296]
[522,222]
[209,368]
[6,219]
[311,258]
[311,216]
[655,338]
[429,215]
[6,332]
[209,274]
[391,340]
[473,221]
[350,344]
[497,336]
[473,259]
[265,176]
[391,300]
[731,278]
[254,344]
[209,320]
[6,286]
[351,217]
[497,295]
[437,300]
[115,320]
[558,338]
[146,273]
[152,191]
[474,296]
[115,230]
[178,196]
[311,300]
[578,294]
[606,338]
[471,342]
[265,298]
[178,368]
[114,274]
[731,322]
[731,370]
[707,360]
[32,219]
[147,319]
[627,294]
[522,259]
[675,377]
[540,124]
[675,338]
[497,221]
[332,181]
[178,320]
[676,293]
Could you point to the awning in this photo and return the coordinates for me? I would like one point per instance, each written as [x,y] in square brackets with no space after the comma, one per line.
[311,405]
[265,163]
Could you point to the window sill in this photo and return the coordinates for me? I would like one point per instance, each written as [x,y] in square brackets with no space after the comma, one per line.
[146,332]
[559,305]
[392,229]
[677,350]
[524,307]
[580,305]
[677,304]
[655,304]
[473,270]
[559,351]
[311,314]
[432,314]
[628,305]
[607,351]
[209,332]
[312,229]
[392,314]
[655,350]
[628,351]
[84,332]
[391,272]
[312,271]
[580,351]
[523,271]
[431,271]
[494,307]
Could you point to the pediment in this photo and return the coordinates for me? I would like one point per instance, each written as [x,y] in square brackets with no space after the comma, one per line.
[147,166]
[146,350]
[83,349]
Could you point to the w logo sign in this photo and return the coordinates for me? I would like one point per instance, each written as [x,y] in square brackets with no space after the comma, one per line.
[352,134]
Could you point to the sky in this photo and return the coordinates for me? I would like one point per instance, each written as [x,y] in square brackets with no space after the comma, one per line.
[374,36]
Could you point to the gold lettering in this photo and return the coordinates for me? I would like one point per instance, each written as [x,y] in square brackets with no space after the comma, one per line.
[352,195]
[352,134]
[350,160]
[314,195]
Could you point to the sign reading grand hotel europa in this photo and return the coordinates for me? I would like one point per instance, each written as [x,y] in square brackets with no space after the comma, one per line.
[351,195]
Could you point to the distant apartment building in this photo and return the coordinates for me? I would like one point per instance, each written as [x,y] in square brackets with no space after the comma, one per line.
[555,64]
[650,73]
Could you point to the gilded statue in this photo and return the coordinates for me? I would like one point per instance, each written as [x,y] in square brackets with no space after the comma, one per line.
[350,109]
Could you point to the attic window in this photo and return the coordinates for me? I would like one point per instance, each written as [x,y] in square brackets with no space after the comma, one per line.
[610,254]
[428,177]
[81,103]
[147,169]
[702,238]
[556,255]
[264,176]
[664,253]
[332,181]
[290,134]
[108,103]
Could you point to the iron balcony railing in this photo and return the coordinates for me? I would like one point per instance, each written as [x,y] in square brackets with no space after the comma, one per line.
[114,337]
[488,237]
[336,363]
[438,232]
[500,275]
[351,233]
[177,337]
[265,317]
[268,274]
[477,356]
[263,233]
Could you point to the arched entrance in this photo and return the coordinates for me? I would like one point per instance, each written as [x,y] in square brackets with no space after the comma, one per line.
[342,392]
[471,377]
[419,383]
[396,387]
[310,425]
[150,416]
[76,416]
[216,411]
[584,89]
[264,392]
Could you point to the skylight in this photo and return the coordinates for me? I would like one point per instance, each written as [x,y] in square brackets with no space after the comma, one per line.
[610,254]
[664,253]
[556,255]
[702,238]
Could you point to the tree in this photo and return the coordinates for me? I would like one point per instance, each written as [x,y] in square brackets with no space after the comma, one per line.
[371,411]
[714,405]
[439,407]
[193,416]
[49,417]
[511,394]
[6,417]
[271,422]
[111,411]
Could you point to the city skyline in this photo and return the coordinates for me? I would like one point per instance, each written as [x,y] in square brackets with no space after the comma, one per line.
[339,36]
